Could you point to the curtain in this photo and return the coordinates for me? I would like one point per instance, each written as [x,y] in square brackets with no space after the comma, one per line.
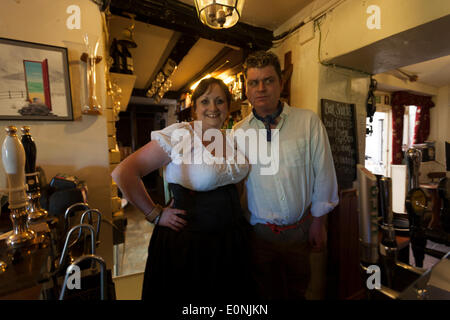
[422,127]
[397,133]
[399,100]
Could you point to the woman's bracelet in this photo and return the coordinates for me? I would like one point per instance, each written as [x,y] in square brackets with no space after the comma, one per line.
[154,214]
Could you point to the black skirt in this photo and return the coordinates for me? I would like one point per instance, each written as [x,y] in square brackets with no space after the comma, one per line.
[209,259]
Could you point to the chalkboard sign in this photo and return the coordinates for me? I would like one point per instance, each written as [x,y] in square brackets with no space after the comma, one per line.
[339,120]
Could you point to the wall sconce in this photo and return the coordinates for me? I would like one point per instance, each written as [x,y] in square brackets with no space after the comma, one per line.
[219,14]
[90,57]
[162,83]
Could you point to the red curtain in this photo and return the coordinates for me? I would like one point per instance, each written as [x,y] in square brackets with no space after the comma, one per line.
[397,133]
[422,128]
[399,100]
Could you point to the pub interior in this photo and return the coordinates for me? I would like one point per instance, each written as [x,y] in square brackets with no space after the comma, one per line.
[112,71]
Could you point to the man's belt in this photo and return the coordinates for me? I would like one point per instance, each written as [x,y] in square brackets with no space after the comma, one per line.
[277,228]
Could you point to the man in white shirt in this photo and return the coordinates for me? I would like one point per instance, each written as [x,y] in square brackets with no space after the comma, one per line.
[287,210]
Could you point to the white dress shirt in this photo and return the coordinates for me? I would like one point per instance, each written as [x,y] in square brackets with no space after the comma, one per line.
[305,176]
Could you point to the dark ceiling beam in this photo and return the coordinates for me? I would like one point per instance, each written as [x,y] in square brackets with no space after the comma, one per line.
[178,16]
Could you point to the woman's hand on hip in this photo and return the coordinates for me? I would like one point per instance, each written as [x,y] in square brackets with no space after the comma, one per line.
[169,218]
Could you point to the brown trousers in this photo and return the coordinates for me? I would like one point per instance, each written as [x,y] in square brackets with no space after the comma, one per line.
[281,262]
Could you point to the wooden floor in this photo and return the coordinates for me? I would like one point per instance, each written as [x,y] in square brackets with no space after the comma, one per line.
[133,253]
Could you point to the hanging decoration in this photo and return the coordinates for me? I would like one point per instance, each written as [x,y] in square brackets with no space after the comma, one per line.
[162,83]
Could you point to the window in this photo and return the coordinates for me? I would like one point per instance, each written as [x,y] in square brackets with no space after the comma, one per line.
[409,123]
[378,155]
[377,143]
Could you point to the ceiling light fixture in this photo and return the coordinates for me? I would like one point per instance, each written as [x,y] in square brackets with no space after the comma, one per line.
[219,14]
[198,82]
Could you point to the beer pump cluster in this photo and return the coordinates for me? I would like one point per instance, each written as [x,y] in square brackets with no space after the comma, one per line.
[378,245]
[35,239]
[19,162]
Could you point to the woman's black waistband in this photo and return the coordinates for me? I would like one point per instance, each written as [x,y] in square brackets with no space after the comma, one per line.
[208,211]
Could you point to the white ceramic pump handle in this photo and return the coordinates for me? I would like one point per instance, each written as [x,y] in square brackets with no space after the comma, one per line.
[13,157]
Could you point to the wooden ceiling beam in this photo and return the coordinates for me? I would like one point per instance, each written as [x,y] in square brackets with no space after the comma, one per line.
[178,16]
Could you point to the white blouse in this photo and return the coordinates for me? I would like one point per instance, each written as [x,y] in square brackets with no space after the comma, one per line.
[193,166]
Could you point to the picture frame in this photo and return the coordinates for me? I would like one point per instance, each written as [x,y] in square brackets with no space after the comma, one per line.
[34,82]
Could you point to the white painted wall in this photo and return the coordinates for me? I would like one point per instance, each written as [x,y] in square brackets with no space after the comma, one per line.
[305,75]
[78,147]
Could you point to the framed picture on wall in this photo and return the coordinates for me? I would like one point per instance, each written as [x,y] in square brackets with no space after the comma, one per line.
[34,82]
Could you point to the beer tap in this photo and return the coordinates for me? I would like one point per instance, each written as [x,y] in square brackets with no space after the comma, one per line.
[413,160]
[416,203]
[13,157]
[35,211]
[368,216]
[388,243]
[374,196]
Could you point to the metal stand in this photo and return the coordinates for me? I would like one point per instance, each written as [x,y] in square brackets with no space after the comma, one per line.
[35,212]
[22,236]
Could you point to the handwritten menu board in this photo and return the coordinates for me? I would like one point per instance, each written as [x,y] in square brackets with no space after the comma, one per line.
[339,120]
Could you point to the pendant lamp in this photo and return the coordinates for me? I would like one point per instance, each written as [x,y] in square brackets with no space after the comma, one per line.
[219,14]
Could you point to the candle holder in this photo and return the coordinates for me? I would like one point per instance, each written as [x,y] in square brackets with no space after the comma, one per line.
[91,59]
[13,157]
[35,212]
